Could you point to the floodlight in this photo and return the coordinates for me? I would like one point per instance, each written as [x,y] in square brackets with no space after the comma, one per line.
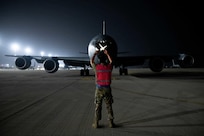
[42,53]
[15,47]
[28,50]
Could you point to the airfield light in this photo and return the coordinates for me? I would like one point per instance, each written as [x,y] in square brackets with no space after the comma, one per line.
[42,53]
[50,55]
[15,47]
[28,50]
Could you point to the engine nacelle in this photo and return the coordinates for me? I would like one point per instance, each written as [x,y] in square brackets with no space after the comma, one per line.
[156,64]
[51,65]
[23,62]
[185,60]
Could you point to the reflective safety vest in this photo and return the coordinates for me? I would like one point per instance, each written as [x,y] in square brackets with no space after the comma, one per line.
[103,74]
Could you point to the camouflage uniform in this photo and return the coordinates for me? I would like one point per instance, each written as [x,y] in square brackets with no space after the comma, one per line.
[103,93]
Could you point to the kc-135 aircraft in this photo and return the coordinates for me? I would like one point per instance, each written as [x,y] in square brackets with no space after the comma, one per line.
[101,42]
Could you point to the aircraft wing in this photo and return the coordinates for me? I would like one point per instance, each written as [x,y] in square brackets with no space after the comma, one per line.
[51,64]
[138,60]
[156,62]
[76,61]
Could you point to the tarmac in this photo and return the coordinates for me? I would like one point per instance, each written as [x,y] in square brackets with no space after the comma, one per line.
[36,103]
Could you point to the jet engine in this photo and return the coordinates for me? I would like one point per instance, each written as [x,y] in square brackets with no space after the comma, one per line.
[156,64]
[51,65]
[23,62]
[185,60]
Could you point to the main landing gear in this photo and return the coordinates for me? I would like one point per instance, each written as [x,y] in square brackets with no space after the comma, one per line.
[84,72]
[123,71]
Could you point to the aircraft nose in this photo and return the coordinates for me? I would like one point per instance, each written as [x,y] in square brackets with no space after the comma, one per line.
[102,48]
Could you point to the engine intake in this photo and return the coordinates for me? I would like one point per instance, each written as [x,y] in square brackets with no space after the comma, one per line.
[156,64]
[186,60]
[23,62]
[51,65]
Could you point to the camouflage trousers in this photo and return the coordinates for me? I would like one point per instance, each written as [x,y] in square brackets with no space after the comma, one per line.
[103,93]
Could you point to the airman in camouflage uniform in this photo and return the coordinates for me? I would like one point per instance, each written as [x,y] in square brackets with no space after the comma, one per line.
[103,73]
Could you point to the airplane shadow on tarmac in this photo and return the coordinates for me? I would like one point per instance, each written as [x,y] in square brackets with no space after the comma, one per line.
[135,123]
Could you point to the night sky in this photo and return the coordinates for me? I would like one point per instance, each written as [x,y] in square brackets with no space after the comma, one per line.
[64,28]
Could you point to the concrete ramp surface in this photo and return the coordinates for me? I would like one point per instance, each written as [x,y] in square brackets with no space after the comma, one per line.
[35,103]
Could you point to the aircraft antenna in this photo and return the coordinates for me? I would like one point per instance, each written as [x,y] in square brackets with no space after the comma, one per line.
[104,27]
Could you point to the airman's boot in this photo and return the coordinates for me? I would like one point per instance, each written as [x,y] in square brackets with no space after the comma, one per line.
[95,124]
[111,124]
